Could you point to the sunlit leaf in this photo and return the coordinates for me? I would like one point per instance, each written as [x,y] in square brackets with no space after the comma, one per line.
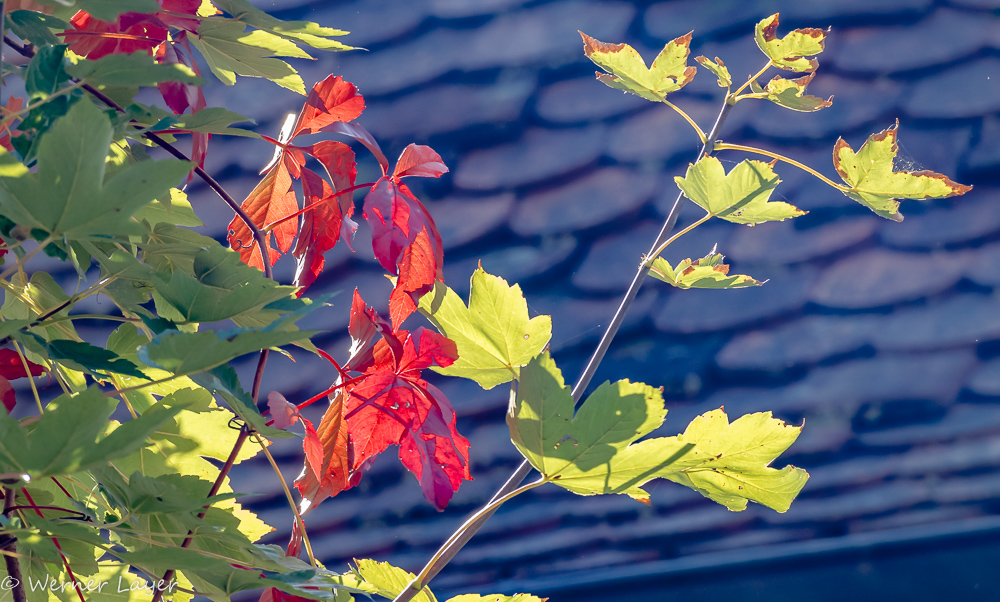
[790,93]
[791,51]
[136,69]
[229,52]
[741,196]
[718,68]
[493,334]
[707,272]
[306,32]
[389,581]
[173,208]
[876,184]
[68,196]
[627,71]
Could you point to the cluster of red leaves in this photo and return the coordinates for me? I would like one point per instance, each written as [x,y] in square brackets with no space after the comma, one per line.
[12,367]
[388,404]
[150,33]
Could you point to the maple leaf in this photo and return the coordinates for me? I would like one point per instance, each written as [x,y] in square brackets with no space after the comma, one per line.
[790,93]
[741,196]
[7,395]
[875,183]
[707,272]
[398,220]
[627,71]
[790,52]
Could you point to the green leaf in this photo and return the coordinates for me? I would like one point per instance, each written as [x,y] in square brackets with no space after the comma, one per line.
[741,196]
[590,452]
[168,248]
[389,581]
[306,32]
[36,27]
[46,72]
[707,272]
[874,182]
[493,334]
[62,440]
[230,52]
[789,52]
[222,287]
[213,120]
[735,460]
[136,69]
[718,68]
[627,71]
[193,352]
[68,195]
[790,93]
[108,10]
[224,382]
[81,355]
[595,450]
[173,209]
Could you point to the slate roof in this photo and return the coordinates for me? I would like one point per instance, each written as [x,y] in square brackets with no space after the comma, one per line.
[883,337]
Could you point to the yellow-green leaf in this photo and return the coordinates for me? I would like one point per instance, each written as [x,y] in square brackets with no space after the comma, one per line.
[493,334]
[718,68]
[389,581]
[790,93]
[627,71]
[790,52]
[875,183]
[707,272]
[230,52]
[741,196]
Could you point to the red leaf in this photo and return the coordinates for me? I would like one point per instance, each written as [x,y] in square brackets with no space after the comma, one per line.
[324,226]
[330,101]
[313,447]
[13,105]
[11,366]
[419,267]
[418,160]
[327,469]
[283,413]
[179,96]
[7,395]
[272,199]
[364,325]
[394,222]
[392,405]
[132,32]
[359,133]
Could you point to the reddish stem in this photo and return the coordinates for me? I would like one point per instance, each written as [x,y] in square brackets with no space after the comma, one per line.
[69,571]
[273,225]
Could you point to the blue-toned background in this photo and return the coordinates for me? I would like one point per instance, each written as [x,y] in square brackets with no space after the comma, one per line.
[883,337]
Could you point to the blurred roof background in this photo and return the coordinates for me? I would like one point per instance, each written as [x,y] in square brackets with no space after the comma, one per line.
[883,337]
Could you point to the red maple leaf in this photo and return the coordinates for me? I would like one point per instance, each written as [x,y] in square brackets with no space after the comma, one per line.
[271,200]
[398,220]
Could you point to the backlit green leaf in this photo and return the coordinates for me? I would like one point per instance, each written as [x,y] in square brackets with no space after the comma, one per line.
[173,208]
[46,72]
[230,52]
[735,460]
[595,450]
[790,93]
[213,120]
[875,183]
[193,352]
[36,27]
[306,32]
[707,272]
[389,580]
[136,69]
[790,52]
[84,356]
[718,68]
[493,334]
[627,71]
[741,196]
[68,195]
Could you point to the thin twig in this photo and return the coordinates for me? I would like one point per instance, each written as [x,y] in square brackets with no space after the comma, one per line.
[55,540]
[12,562]
[458,540]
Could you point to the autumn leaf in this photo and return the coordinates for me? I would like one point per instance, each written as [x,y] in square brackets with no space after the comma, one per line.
[392,405]
[876,184]
[741,196]
[627,71]
[330,101]
[790,93]
[404,237]
[131,32]
[327,469]
[707,272]
[718,69]
[272,199]
[790,52]
[12,367]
